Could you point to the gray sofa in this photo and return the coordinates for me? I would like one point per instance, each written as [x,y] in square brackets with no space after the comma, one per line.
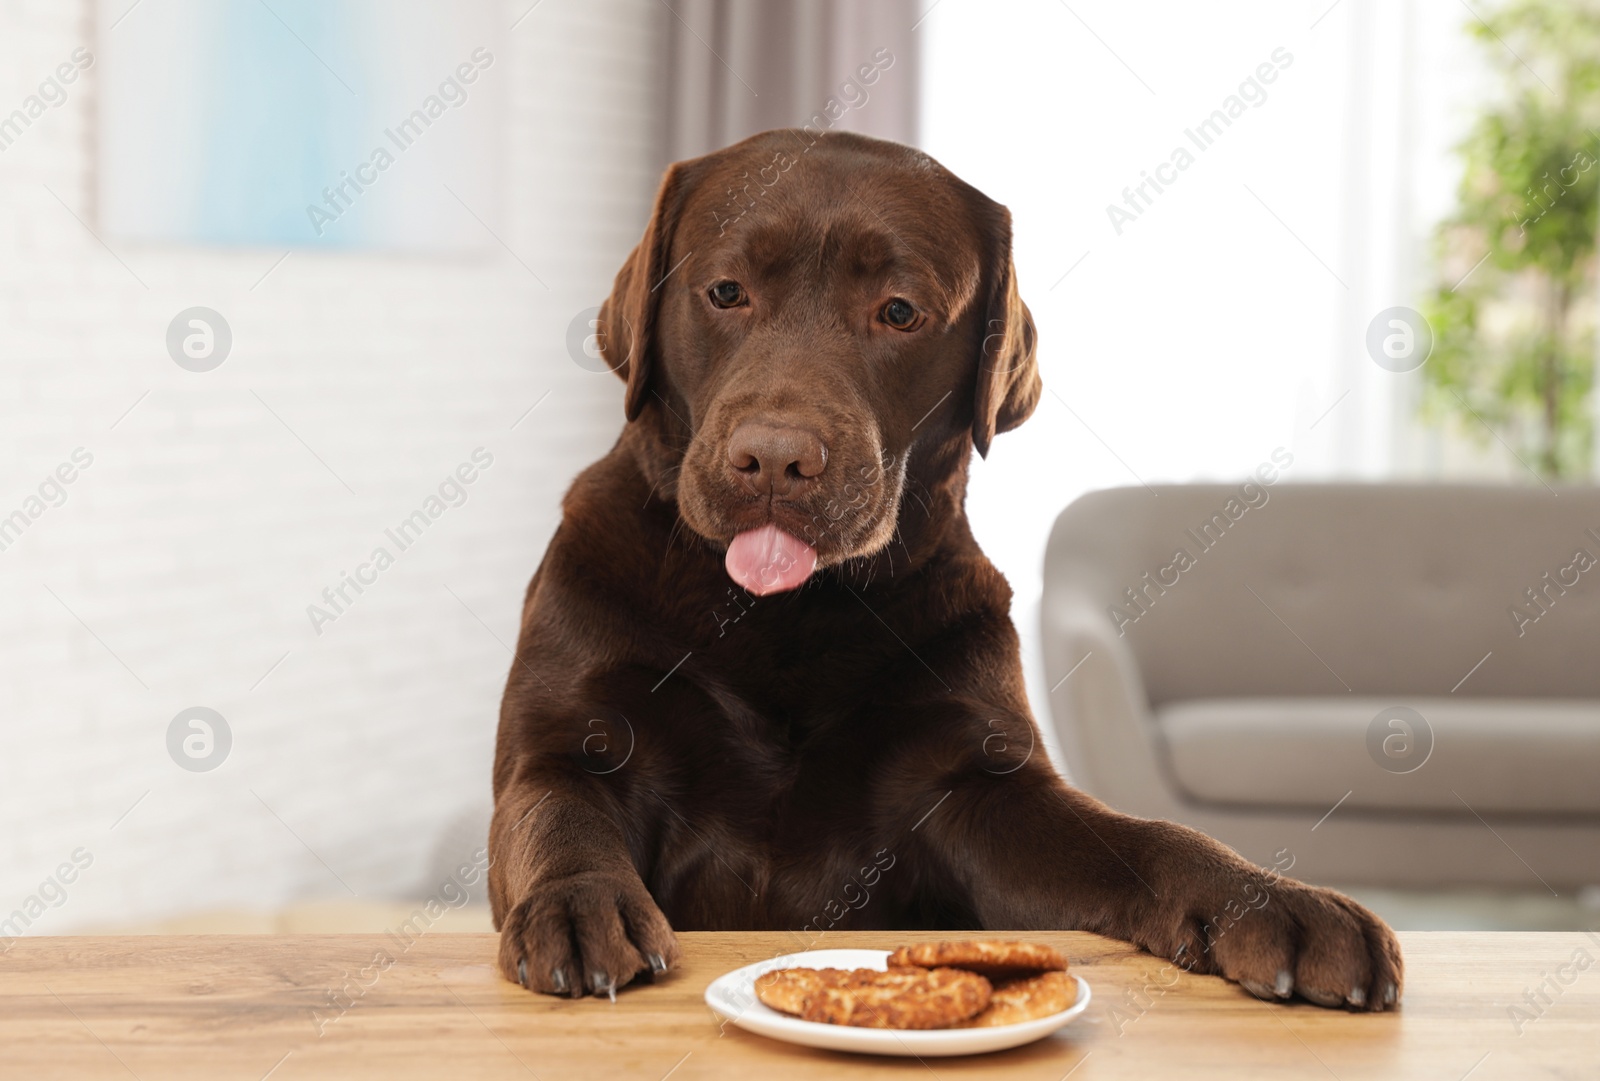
[1398,684]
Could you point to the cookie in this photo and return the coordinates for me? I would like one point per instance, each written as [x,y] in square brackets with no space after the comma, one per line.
[1026,999]
[988,957]
[788,990]
[905,997]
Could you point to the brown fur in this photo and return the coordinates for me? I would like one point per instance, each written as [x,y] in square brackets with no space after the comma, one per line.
[674,752]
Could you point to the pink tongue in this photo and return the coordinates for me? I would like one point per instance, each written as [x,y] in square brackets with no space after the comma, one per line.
[768,560]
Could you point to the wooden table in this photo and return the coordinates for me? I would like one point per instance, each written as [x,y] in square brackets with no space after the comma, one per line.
[245,1007]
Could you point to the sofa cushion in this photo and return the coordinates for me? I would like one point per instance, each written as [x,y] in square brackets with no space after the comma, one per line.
[1487,755]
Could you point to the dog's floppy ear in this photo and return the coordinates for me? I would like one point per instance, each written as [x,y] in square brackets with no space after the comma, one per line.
[627,321]
[1008,370]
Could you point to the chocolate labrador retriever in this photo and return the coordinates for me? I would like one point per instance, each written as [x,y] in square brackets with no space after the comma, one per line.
[765,677]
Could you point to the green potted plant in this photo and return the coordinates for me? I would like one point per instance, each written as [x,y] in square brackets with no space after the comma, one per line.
[1513,315]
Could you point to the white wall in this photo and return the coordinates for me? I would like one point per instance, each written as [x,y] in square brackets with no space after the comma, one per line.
[179,569]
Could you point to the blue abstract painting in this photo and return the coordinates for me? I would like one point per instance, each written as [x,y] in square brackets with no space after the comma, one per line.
[302,123]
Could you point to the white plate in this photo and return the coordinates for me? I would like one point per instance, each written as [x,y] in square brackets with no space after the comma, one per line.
[733,996]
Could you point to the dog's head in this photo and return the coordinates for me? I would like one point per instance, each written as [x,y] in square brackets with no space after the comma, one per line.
[802,316]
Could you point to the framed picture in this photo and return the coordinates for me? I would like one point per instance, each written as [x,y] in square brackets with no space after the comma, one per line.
[316,123]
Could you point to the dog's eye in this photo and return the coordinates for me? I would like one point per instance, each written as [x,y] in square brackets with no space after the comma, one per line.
[727,294]
[899,314]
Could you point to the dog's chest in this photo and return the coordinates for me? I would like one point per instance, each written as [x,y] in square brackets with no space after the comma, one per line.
[783,777]
[788,830]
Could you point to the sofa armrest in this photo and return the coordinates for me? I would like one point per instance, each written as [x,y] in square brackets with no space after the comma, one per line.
[1098,706]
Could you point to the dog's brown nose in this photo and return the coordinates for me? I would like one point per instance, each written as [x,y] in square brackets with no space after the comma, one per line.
[772,459]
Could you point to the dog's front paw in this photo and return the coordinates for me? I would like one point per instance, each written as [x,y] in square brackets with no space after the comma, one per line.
[1278,939]
[588,933]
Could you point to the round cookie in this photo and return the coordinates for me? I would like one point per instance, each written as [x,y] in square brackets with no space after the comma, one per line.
[904,997]
[1026,999]
[989,957]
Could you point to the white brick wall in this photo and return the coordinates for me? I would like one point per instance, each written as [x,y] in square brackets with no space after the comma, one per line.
[192,545]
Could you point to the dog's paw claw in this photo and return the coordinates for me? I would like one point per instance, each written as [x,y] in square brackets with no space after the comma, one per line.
[1258,989]
[600,981]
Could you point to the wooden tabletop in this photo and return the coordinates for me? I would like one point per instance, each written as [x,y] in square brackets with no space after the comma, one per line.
[303,1006]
